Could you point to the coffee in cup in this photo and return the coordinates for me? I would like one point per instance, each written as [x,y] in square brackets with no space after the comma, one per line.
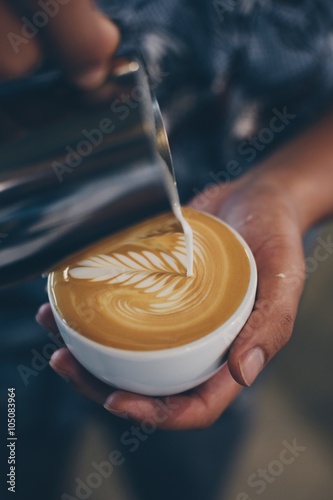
[131,291]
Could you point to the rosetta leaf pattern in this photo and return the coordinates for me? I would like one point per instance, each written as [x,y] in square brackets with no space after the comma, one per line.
[143,270]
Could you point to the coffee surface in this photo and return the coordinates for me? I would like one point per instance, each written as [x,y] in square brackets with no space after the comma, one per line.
[131,291]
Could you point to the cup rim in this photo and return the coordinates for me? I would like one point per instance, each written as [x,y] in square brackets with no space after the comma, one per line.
[190,346]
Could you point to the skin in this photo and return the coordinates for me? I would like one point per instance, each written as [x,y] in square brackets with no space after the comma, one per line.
[271,206]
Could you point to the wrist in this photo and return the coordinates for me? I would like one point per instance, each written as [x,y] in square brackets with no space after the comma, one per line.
[294,190]
[303,172]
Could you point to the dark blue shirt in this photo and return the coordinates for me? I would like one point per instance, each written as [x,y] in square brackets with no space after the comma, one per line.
[226,70]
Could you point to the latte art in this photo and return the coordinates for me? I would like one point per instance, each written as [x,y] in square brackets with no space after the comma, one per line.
[161,274]
[132,290]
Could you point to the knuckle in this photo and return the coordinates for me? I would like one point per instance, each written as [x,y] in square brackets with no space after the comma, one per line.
[276,329]
[283,332]
[244,336]
[287,321]
[22,64]
[258,319]
[91,54]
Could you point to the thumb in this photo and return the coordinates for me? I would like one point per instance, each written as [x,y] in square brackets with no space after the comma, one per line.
[212,197]
[280,264]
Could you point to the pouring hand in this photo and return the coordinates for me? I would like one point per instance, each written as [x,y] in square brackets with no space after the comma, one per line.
[74,34]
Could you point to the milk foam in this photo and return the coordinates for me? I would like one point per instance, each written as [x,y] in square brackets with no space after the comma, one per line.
[188,235]
[172,190]
[132,291]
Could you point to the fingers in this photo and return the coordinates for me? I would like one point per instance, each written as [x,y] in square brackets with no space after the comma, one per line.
[65,365]
[45,318]
[15,62]
[74,32]
[197,409]
[82,39]
[280,283]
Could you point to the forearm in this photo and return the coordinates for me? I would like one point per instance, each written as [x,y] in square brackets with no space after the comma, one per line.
[304,168]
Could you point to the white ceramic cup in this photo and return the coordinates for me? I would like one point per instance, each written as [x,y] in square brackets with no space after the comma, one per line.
[167,371]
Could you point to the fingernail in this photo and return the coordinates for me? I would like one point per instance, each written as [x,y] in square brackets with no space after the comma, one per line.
[65,375]
[251,365]
[90,79]
[117,413]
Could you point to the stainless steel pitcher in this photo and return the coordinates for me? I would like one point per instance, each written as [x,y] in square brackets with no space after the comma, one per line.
[76,166]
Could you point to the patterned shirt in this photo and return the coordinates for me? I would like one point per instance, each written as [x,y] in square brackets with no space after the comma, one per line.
[234,78]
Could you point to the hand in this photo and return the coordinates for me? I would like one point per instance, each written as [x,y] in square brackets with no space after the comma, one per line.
[266,215]
[74,33]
